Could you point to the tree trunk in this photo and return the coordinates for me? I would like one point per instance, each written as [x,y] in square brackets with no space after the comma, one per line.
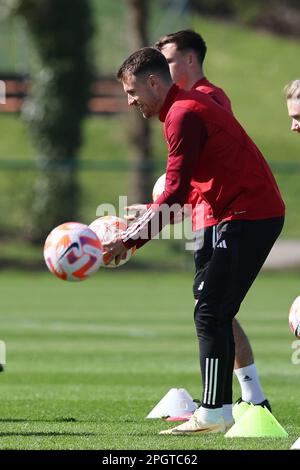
[139,132]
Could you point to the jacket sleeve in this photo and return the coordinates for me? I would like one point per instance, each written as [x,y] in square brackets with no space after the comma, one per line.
[186,136]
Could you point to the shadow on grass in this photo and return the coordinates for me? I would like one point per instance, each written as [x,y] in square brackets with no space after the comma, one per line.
[48,434]
[23,420]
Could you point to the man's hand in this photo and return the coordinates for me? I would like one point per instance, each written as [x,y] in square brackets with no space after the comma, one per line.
[114,249]
[135,211]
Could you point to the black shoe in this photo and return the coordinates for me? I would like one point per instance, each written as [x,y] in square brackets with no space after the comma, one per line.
[264,403]
[1,368]
[240,400]
[197,402]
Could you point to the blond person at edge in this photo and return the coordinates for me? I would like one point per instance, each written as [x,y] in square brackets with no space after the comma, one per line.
[292,95]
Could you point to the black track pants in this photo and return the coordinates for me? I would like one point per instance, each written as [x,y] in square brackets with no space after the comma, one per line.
[241,249]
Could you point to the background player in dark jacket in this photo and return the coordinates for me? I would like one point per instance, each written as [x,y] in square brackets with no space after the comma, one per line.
[185,52]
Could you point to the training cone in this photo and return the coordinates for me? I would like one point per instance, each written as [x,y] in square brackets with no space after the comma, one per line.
[177,402]
[296,445]
[239,409]
[184,417]
[257,421]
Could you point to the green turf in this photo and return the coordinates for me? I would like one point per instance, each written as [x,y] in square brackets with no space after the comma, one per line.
[87,362]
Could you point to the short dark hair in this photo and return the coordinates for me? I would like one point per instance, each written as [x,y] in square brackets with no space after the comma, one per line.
[145,61]
[185,39]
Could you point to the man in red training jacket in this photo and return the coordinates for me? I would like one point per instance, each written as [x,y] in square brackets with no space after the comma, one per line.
[208,151]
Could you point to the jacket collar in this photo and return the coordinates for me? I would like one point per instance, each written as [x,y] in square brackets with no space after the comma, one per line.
[169,100]
[202,81]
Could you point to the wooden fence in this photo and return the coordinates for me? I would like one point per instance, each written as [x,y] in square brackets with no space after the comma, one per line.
[107,96]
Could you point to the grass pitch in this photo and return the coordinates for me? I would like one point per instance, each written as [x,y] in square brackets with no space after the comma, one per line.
[87,362]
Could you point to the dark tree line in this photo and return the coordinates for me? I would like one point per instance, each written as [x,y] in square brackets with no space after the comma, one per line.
[278,16]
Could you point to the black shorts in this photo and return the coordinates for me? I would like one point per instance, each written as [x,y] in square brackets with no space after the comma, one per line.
[207,239]
[250,241]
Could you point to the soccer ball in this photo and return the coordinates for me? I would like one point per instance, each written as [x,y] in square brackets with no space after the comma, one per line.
[157,191]
[73,252]
[106,228]
[159,187]
[294,317]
